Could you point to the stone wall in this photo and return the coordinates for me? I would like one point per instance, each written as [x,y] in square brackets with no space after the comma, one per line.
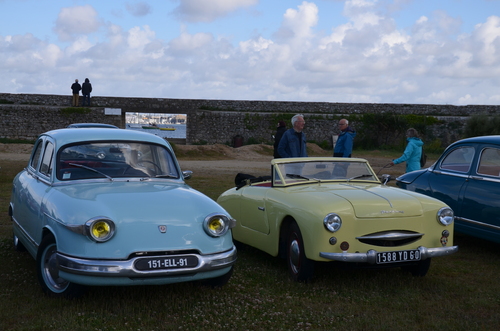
[24,116]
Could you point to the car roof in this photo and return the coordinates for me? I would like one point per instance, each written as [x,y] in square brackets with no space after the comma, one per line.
[480,140]
[92,125]
[70,135]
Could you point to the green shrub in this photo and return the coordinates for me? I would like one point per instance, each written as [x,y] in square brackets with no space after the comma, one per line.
[482,125]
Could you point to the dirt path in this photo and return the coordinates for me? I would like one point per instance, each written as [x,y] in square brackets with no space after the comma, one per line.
[205,159]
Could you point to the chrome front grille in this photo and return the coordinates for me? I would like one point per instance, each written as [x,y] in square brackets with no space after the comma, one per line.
[390,238]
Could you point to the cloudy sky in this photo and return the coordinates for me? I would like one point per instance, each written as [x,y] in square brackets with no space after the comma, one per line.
[376,51]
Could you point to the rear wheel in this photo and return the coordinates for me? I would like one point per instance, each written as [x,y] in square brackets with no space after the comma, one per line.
[301,268]
[420,269]
[48,272]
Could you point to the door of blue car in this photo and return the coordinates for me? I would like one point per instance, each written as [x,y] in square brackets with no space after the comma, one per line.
[480,212]
[450,176]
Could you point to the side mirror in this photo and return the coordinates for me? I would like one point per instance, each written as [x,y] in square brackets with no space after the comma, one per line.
[385,178]
[187,174]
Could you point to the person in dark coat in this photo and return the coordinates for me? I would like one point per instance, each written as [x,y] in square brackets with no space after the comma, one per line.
[76,87]
[277,137]
[86,89]
[293,142]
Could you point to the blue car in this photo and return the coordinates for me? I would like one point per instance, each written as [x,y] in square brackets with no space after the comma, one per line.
[100,207]
[467,178]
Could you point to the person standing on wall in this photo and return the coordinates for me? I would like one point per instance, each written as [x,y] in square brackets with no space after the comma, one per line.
[86,89]
[343,147]
[293,142]
[413,151]
[277,137]
[76,87]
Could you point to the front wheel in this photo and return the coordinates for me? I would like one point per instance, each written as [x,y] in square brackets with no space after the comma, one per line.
[48,272]
[301,268]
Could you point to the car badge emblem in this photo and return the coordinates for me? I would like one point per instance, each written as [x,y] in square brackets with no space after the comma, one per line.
[391,211]
[162,228]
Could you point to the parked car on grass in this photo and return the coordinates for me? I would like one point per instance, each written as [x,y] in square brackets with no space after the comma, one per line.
[100,206]
[336,209]
[467,178]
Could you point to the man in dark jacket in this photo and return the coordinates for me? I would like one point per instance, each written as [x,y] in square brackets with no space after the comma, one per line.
[279,133]
[86,89]
[76,87]
[293,142]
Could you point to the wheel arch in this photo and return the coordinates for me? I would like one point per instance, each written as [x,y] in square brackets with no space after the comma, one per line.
[285,224]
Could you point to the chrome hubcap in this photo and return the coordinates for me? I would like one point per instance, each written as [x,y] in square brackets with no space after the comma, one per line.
[294,255]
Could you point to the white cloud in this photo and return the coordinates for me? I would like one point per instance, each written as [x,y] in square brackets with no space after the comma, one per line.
[208,11]
[368,58]
[75,21]
[138,9]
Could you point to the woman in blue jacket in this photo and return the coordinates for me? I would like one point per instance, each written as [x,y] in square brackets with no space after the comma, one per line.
[412,153]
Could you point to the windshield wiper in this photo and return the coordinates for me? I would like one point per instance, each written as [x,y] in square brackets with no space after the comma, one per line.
[295,176]
[359,176]
[91,169]
[166,176]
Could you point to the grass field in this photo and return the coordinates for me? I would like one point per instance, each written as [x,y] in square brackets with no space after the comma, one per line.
[460,292]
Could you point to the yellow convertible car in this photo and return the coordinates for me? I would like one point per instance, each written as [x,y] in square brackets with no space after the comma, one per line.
[336,209]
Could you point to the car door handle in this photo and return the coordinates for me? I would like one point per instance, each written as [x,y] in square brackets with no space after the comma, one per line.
[261,208]
[477,177]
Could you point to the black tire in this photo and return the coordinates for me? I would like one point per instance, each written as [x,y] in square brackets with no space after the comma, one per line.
[420,269]
[48,272]
[301,268]
[218,281]
[18,245]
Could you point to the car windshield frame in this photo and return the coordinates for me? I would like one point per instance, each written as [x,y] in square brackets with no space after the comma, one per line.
[115,159]
[286,173]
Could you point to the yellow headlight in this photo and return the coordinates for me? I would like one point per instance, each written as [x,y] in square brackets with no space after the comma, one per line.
[100,229]
[216,225]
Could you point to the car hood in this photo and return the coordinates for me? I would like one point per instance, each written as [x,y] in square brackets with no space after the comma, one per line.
[371,201]
[137,200]
[138,209]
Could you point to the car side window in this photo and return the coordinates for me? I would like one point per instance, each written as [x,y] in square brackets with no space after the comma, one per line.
[489,162]
[459,159]
[36,155]
[46,167]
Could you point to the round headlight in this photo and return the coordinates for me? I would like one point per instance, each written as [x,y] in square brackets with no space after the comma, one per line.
[100,229]
[216,225]
[445,216]
[332,222]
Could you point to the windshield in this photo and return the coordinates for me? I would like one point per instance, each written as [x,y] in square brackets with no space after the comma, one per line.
[115,159]
[299,172]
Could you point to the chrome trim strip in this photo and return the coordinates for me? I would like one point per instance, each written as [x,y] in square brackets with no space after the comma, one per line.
[392,235]
[442,172]
[370,257]
[488,179]
[486,225]
[125,268]
[26,234]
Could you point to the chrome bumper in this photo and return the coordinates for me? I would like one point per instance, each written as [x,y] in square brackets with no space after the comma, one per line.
[370,257]
[125,268]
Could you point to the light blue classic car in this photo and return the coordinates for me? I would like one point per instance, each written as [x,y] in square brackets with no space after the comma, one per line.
[100,206]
